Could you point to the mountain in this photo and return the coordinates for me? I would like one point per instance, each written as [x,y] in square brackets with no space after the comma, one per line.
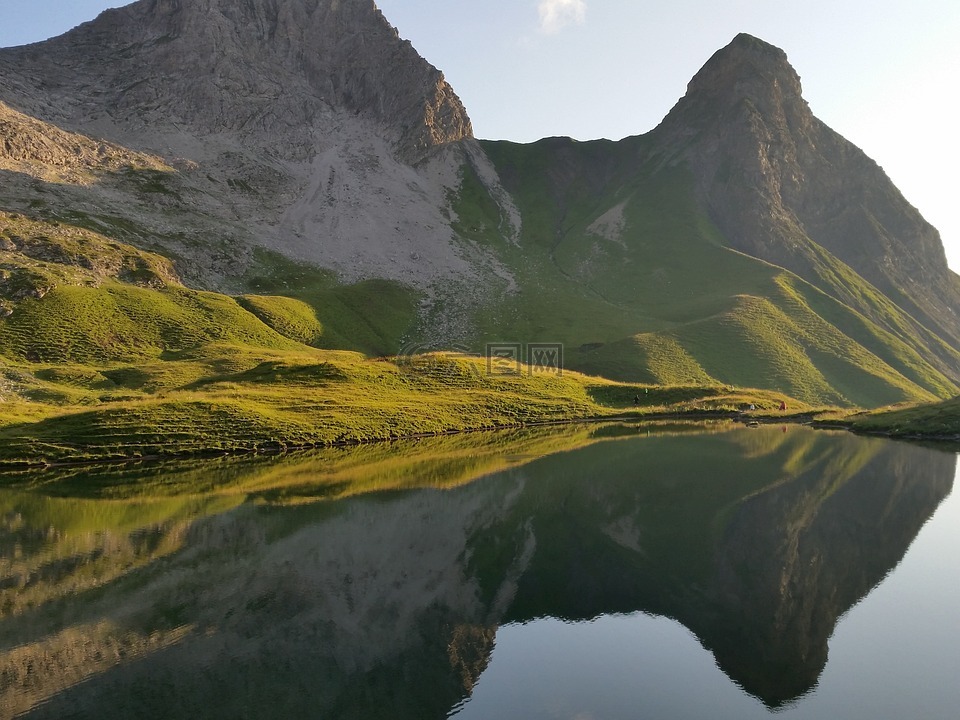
[783,187]
[288,126]
[304,150]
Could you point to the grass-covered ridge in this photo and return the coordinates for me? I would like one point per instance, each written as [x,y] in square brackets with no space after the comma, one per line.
[309,304]
[108,355]
[104,353]
[38,256]
[617,260]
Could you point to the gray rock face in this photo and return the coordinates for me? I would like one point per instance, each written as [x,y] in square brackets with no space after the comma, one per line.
[261,68]
[42,149]
[781,185]
[308,127]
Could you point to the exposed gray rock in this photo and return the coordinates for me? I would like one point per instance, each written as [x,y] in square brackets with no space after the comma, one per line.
[308,127]
[269,71]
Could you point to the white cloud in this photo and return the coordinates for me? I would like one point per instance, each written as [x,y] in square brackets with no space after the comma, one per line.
[557,14]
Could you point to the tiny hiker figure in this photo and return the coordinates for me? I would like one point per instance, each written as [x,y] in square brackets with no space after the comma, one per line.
[783,404]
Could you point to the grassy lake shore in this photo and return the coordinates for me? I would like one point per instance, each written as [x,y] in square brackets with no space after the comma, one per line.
[261,401]
[223,401]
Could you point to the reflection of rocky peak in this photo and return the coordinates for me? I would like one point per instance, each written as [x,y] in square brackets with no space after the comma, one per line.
[796,530]
[774,178]
[259,67]
[825,547]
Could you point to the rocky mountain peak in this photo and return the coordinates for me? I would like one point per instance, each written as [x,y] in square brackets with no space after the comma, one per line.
[748,80]
[782,186]
[260,67]
[747,68]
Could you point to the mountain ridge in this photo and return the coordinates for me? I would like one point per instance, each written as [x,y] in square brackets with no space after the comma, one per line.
[314,149]
[272,66]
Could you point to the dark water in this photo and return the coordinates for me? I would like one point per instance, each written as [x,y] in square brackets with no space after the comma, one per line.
[582,573]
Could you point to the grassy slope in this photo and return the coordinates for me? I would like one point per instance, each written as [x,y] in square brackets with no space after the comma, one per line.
[929,420]
[372,316]
[104,354]
[93,366]
[263,398]
[117,322]
[667,302]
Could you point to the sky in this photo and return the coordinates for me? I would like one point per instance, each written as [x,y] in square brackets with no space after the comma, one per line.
[885,74]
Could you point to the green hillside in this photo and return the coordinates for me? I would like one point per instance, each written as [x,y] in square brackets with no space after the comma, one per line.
[93,365]
[928,420]
[617,261]
[105,353]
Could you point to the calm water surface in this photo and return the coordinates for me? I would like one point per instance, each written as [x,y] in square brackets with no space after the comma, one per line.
[580,572]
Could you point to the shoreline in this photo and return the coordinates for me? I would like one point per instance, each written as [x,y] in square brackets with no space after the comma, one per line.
[279,447]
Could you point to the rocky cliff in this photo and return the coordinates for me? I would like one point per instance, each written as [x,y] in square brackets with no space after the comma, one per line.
[287,126]
[263,68]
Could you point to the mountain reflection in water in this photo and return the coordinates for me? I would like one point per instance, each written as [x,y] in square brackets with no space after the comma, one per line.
[370,582]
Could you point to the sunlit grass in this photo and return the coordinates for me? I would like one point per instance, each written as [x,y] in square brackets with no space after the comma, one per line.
[262,399]
[930,420]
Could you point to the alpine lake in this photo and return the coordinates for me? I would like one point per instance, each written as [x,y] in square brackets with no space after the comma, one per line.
[588,572]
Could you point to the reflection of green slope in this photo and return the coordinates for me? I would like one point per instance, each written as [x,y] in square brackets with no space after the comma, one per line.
[75,528]
[77,516]
[657,510]
[328,473]
[324,609]
[56,547]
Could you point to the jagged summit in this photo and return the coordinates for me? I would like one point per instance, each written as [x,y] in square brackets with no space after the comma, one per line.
[748,69]
[748,77]
[252,66]
[782,186]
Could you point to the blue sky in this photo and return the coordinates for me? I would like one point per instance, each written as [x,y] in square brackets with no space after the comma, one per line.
[882,73]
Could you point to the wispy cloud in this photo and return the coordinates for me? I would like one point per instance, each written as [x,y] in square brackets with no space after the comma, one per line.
[557,14]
